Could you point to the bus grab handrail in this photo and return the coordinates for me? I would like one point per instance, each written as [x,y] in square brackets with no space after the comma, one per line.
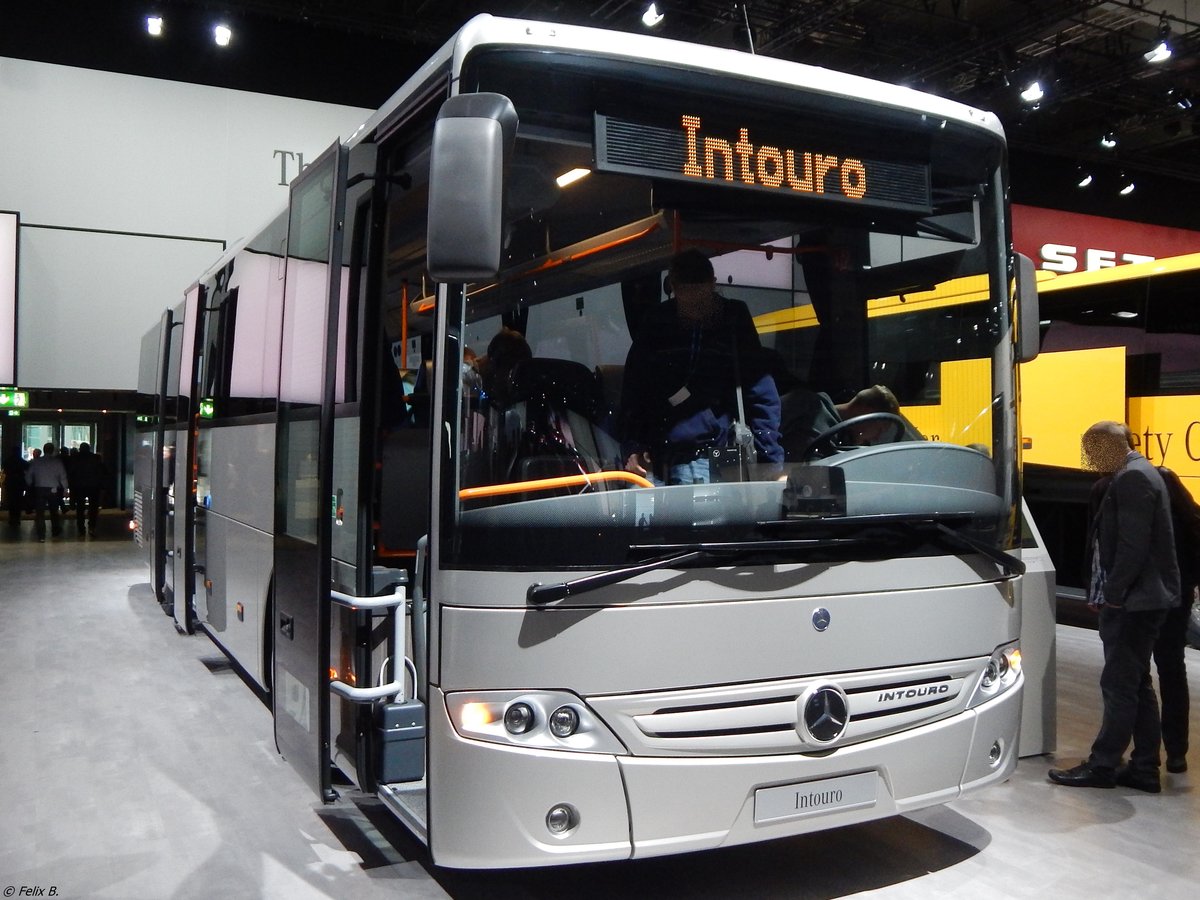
[388,601]
[548,484]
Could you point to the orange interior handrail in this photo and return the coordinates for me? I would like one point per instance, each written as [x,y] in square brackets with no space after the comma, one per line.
[549,484]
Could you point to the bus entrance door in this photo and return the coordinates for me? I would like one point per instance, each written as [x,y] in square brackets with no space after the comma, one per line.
[303,469]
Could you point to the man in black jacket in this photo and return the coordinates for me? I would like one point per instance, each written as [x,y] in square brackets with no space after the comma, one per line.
[1133,581]
[89,477]
[694,361]
[48,478]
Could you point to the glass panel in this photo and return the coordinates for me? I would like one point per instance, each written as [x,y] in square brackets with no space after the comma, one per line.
[599,414]
[35,436]
[1154,319]
[74,435]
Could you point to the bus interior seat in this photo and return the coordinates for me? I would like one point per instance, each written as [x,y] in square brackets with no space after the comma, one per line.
[564,420]
[612,379]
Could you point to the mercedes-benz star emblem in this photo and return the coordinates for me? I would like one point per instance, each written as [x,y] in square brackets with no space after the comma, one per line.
[824,713]
[821,618]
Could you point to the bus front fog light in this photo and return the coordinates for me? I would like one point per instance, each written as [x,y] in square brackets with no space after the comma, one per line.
[564,722]
[996,753]
[562,819]
[518,718]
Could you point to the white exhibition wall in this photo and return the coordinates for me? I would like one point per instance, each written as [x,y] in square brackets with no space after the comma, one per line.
[8,295]
[127,189]
[87,299]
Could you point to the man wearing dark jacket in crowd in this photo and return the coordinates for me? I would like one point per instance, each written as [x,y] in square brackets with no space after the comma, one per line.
[680,398]
[14,486]
[1133,581]
[48,478]
[88,479]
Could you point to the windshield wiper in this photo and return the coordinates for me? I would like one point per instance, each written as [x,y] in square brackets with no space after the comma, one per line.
[929,523]
[675,555]
[540,594]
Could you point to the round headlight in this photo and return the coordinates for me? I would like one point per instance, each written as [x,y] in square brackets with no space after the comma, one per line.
[996,669]
[564,721]
[518,718]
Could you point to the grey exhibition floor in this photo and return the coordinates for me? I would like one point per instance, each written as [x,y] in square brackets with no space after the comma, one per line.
[134,763]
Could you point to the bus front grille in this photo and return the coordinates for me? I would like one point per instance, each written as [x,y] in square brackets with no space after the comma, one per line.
[767,717]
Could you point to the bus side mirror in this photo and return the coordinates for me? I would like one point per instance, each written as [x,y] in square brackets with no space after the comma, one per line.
[473,139]
[1029,336]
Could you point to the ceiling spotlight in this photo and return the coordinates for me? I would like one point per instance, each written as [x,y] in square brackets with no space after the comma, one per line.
[572,176]
[1127,185]
[1108,140]
[1161,51]
[1033,93]
[1083,178]
[154,26]
[222,35]
[651,18]
[1180,97]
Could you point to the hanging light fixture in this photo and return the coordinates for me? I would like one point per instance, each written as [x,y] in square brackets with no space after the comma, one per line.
[1083,177]
[1033,92]
[1108,140]
[1127,185]
[1161,51]
[652,18]
[222,35]
[1180,97]
[154,26]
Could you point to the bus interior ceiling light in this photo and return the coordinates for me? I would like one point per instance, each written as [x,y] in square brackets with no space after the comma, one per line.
[652,18]
[222,35]
[154,26]
[571,177]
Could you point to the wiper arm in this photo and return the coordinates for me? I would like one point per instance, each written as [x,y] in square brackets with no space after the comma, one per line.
[924,522]
[1013,565]
[541,594]
[677,555]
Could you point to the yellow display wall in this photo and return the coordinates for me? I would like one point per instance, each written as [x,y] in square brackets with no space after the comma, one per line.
[964,415]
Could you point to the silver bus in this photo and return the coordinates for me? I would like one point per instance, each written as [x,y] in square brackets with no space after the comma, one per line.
[451,588]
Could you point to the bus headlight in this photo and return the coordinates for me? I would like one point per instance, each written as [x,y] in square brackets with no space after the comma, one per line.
[1003,670]
[564,722]
[546,720]
[518,718]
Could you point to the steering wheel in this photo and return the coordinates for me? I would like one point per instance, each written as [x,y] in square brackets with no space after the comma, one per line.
[824,444]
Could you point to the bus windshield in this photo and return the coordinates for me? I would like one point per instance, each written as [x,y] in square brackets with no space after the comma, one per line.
[867,260]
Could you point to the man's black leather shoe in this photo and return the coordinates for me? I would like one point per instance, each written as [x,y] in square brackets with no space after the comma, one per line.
[1176,764]
[1084,775]
[1139,781]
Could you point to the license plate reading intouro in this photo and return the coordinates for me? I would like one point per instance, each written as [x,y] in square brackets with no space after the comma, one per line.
[812,798]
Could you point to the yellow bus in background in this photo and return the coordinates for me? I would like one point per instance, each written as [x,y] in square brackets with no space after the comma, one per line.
[1119,343]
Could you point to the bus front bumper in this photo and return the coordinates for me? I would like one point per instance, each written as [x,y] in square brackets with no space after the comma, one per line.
[491,804]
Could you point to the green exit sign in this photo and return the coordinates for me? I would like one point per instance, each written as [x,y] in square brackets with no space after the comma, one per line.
[11,398]
[207,408]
